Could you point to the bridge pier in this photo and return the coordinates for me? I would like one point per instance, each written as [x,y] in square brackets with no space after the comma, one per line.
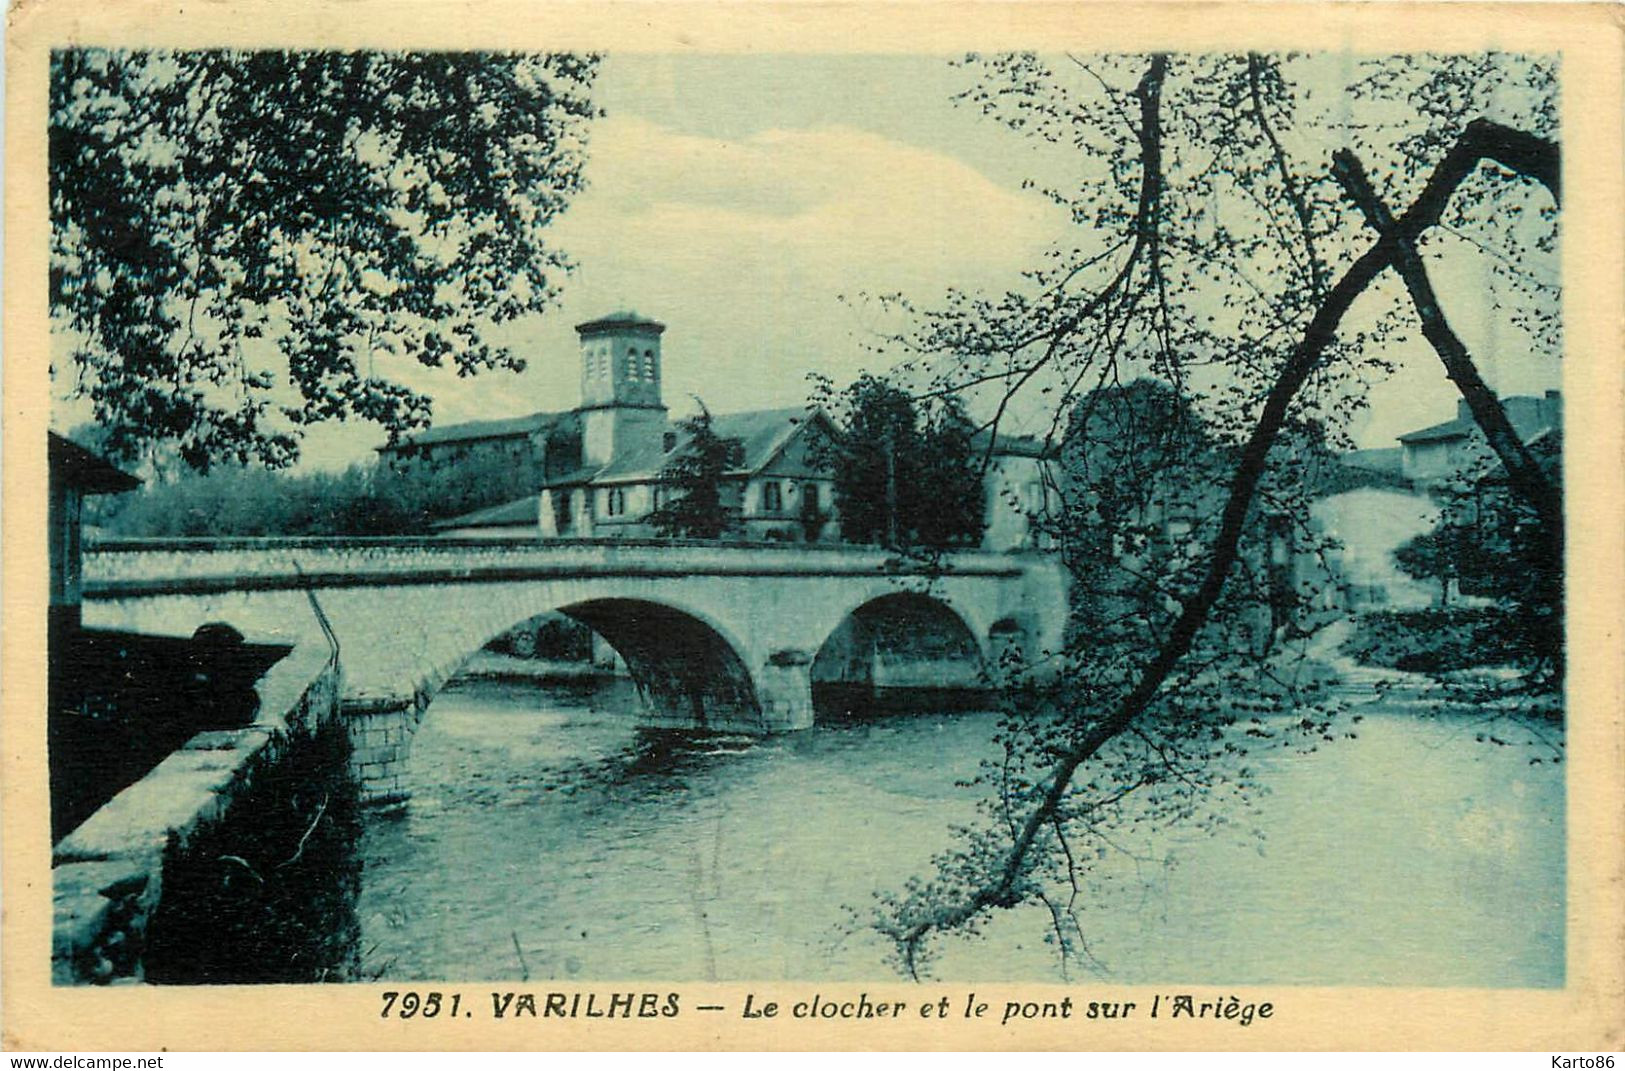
[784,691]
[381,729]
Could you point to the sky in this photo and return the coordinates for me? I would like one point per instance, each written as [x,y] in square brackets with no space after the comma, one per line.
[738,198]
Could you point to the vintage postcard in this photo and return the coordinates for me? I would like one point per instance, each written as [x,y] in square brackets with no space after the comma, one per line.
[863,526]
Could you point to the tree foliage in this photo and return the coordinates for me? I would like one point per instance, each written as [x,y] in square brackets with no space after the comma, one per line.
[1221,244]
[1492,544]
[692,483]
[246,243]
[903,477]
[362,500]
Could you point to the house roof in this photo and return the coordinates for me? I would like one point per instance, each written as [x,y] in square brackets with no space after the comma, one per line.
[508,514]
[765,432]
[1377,459]
[762,433]
[1012,445]
[1527,414]
[1450,429]
[508,427]
[1546,447]
[88,471]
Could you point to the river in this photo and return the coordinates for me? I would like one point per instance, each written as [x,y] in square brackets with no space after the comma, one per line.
[549,838]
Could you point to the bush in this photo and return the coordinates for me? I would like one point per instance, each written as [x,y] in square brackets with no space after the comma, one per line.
[1433,641]
[267,892]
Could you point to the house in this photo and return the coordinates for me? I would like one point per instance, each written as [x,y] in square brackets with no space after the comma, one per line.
[781,488]
[1456,446]
[73,473]
[1019,489]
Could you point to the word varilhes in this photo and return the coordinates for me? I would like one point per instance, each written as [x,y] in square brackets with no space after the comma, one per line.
[410,1005]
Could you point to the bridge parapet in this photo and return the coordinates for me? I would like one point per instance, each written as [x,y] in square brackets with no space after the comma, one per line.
[139,567]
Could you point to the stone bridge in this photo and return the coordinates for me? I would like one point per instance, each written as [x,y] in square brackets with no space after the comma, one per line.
[728,636]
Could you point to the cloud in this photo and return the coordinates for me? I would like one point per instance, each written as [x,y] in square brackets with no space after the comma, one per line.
[744,246]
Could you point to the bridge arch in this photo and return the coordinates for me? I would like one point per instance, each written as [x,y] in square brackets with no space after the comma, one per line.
[689,671]
[899,650]
[688,668]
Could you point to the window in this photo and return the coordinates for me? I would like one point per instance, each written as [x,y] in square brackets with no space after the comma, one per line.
[809,500]
[772,497]
[561,510]
[649,365]
[617,502]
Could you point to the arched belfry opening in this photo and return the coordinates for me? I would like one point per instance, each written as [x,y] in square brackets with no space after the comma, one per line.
[899,653]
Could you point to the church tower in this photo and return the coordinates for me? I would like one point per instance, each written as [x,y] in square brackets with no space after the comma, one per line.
[621,410]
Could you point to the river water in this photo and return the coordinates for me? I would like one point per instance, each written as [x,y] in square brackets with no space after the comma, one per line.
[547,837]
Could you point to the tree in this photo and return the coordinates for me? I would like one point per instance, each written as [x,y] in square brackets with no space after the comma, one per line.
[1444,554]
[244,244]
[692,483]
[900,481]
[1220,255]
[946,500]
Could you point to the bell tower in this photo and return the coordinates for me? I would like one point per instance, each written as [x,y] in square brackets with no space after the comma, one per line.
[620,385]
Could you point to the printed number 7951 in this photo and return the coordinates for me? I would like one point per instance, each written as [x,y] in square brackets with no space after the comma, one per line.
[409,1005]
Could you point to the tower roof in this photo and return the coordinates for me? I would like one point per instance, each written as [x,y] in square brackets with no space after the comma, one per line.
[622,320]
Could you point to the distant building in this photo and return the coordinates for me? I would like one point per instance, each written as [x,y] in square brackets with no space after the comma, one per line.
[1436,453]
[1019,493]
[528,440]
[599,466]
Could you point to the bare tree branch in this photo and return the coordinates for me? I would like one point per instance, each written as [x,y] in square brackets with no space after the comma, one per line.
[1481,140]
